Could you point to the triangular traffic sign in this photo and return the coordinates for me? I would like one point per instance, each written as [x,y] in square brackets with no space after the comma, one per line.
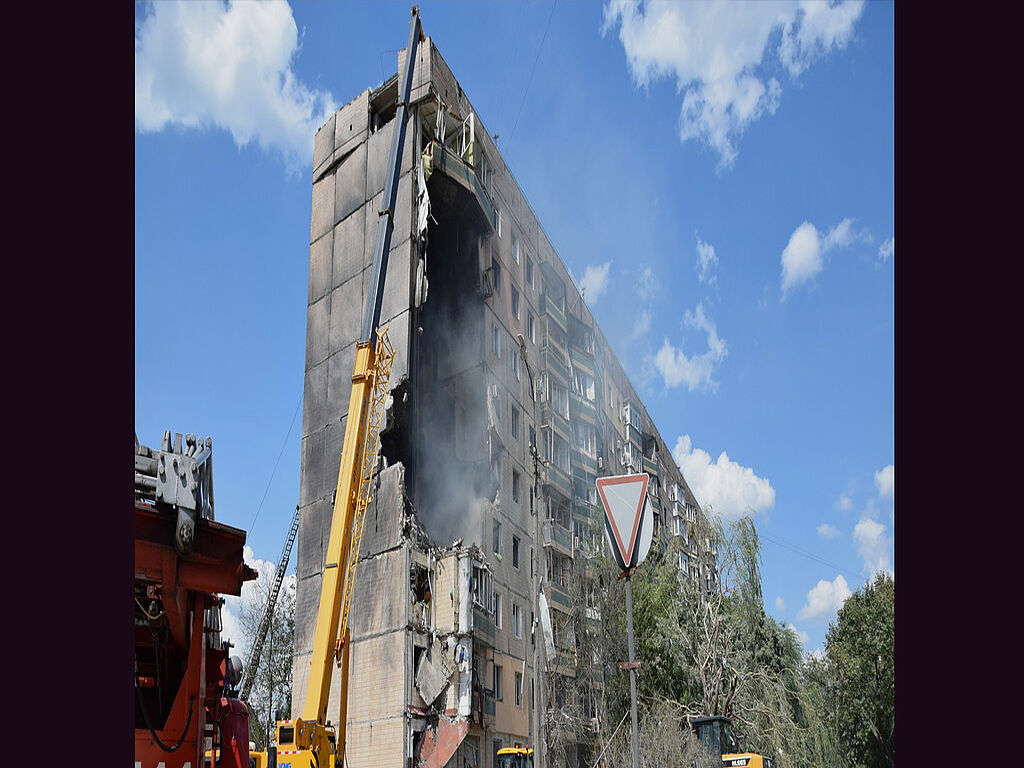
[623,500]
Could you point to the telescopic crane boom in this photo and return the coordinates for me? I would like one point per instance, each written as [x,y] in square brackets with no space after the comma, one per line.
[309,739]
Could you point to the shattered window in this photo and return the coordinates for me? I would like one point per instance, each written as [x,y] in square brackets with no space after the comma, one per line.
[530,330]
[497,538]
[515,248]
[517,622]
[515,551]
[496,271]
[497,612]
[515,302]
[496,341]
[519,690]
[517,497]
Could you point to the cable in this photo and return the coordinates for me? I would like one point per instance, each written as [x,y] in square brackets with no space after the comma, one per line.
[275,465]
[808,555]
[523,100]
[151,618]
[145,716]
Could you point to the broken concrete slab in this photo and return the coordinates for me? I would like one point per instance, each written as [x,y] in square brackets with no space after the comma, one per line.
[434,671]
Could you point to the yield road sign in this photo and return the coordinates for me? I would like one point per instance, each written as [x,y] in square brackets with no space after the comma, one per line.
[627,517]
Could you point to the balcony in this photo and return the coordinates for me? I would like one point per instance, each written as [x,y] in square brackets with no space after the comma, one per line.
[438,157]
[558,538]
[553,359]
[557,596]
[564,663]
[551,309]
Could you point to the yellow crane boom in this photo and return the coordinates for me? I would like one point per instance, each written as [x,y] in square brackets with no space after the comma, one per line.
[308,741]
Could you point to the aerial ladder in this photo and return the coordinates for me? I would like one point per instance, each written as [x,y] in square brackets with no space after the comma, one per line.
[268,614]
[309,741]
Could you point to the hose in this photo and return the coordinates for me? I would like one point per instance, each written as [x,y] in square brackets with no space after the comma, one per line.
[149,725]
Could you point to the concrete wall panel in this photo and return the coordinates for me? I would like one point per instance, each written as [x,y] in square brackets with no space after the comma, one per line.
[384,517]
[379,742]
[339,385]
[323,144]
[312,485]
[321,257]
[348,248]
[318,316]
[323,208]
[350,182]
[314,399]
[347,306]
[351,123]
[381,594]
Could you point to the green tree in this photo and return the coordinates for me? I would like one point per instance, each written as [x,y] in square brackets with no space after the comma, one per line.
[857,680]
[716,653]
[271,691]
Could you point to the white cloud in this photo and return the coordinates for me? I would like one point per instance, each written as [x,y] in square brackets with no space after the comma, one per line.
[780,604]
[595,280]
[227,66]
[677,368]
[707,262]
[717,54]
[822,27]
[827,531]
[725,486]
[887,249]
[643,324]
[845,503]
[800,634]
[803,256]
[646,284]
[824,599]
[251,595]
[873,546]
[885,481]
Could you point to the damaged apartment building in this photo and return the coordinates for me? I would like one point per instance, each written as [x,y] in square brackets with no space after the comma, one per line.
[506,404]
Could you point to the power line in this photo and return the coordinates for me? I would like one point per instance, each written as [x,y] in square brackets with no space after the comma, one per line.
[275,464]
[523,100]
[808,555]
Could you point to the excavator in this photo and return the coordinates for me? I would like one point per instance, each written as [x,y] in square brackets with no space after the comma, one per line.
[311,741]
[515,757]
[715,733]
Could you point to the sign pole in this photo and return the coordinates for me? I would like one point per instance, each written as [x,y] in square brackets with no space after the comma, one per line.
[629,531]
[632,671]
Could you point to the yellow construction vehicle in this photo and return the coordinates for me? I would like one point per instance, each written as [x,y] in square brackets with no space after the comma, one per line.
[515,757]
[715,733]
[310,741]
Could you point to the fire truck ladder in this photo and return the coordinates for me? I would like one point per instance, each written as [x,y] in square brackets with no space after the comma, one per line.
[275,588]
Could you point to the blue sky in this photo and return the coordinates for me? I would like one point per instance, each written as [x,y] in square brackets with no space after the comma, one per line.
[718,177]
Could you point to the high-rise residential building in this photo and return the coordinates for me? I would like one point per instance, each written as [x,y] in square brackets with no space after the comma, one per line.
[507,403]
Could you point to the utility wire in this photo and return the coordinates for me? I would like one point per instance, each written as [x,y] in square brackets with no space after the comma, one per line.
[523,100]
[297,405]
[513,50]
[808,555]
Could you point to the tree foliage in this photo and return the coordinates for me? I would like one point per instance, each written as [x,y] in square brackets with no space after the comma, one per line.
[271,691]
[715,653]
[855,681]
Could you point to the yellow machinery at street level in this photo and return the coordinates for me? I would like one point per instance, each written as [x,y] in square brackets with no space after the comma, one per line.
[715,734]
[310,741]
[515,757]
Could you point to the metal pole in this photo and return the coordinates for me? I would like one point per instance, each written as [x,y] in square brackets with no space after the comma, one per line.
[632,672]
